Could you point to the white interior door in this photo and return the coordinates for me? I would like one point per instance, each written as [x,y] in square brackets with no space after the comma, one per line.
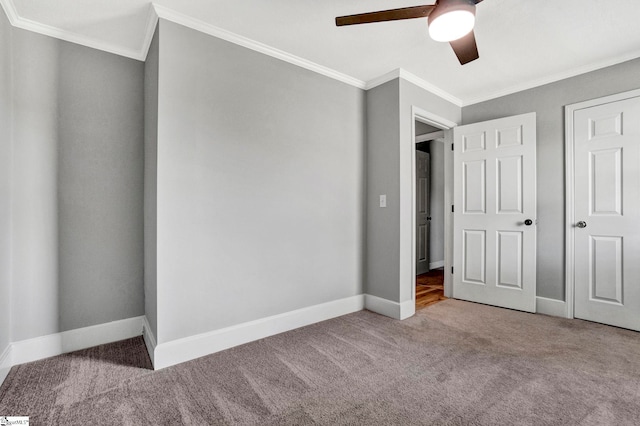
[422,211]
[607,213]
[495,212]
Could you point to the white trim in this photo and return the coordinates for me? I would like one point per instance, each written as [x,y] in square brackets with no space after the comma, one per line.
[553,78]
[149,338]
[5,363]
[412,78]
[431,119]
[203,27]
[188,348]
[436,265]
[448,214]
[10,11]
[68,341]
[442,123]
[425,85]
[384,78]
[389,308]
[569,217]
[157,10]
[37,27]
[408,308]
[150,29]
[570,188]
[430,136]
[553,307]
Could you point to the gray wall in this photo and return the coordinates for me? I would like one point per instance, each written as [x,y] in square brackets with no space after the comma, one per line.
[436,198]
[383,224]
[77,186]
[390,152]
[412,95]
[5,182]
[35,284]
[422,128]
[151,183]
[548,102]
[260,186]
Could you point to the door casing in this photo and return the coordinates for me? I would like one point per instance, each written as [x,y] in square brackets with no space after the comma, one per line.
[444,124]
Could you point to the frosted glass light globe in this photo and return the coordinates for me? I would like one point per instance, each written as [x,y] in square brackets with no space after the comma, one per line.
[451,25]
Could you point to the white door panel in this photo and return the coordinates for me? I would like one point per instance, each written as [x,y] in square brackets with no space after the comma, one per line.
[494,194]
[607,201]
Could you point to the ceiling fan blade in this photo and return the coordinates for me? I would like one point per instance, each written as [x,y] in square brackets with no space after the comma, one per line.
[385,15]
[466,48]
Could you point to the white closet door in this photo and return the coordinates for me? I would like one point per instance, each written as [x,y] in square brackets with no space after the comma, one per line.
[607,213]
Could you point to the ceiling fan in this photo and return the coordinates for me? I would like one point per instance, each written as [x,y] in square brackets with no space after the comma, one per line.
[448,20]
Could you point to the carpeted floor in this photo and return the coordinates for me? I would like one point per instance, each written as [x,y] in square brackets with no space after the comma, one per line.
[454,363]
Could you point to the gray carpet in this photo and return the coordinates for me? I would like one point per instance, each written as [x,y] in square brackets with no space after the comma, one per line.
[454,363]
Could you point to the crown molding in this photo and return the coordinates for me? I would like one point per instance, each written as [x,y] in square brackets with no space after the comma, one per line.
[423,84]
[203,27]
[150,29]
[10,11]
[378,81]
[157,11]
[412,78]
[553,78]
[37,27]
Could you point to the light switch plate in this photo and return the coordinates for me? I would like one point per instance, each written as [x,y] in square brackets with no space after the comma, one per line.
[383,201]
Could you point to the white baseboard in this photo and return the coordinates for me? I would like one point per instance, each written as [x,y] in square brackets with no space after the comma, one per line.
[149,338]
[5,363]
[188,348]
[73,340]
[553,307]
[436,265]
[389,308]
[407,309]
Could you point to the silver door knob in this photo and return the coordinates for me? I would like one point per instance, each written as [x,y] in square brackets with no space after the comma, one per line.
[581,224]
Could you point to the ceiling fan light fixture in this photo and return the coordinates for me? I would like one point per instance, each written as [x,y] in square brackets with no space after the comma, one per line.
[452,19]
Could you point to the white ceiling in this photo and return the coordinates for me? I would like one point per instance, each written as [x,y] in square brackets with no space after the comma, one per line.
[522,43]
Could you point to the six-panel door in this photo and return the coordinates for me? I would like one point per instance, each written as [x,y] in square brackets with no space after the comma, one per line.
[607,213]
[495,210]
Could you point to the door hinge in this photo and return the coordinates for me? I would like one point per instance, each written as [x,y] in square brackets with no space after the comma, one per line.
[451,147]
[451,208]
[452,269]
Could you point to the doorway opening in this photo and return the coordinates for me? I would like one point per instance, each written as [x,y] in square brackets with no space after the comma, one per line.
[442,131]
[430,214]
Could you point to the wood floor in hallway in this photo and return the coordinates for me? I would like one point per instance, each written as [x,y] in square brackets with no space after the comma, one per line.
[430,288]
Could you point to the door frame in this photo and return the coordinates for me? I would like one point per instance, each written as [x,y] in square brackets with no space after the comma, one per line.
[418,114]
[570,189]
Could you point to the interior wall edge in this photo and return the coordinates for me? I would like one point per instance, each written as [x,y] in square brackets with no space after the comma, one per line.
[389,308]
[149,339]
